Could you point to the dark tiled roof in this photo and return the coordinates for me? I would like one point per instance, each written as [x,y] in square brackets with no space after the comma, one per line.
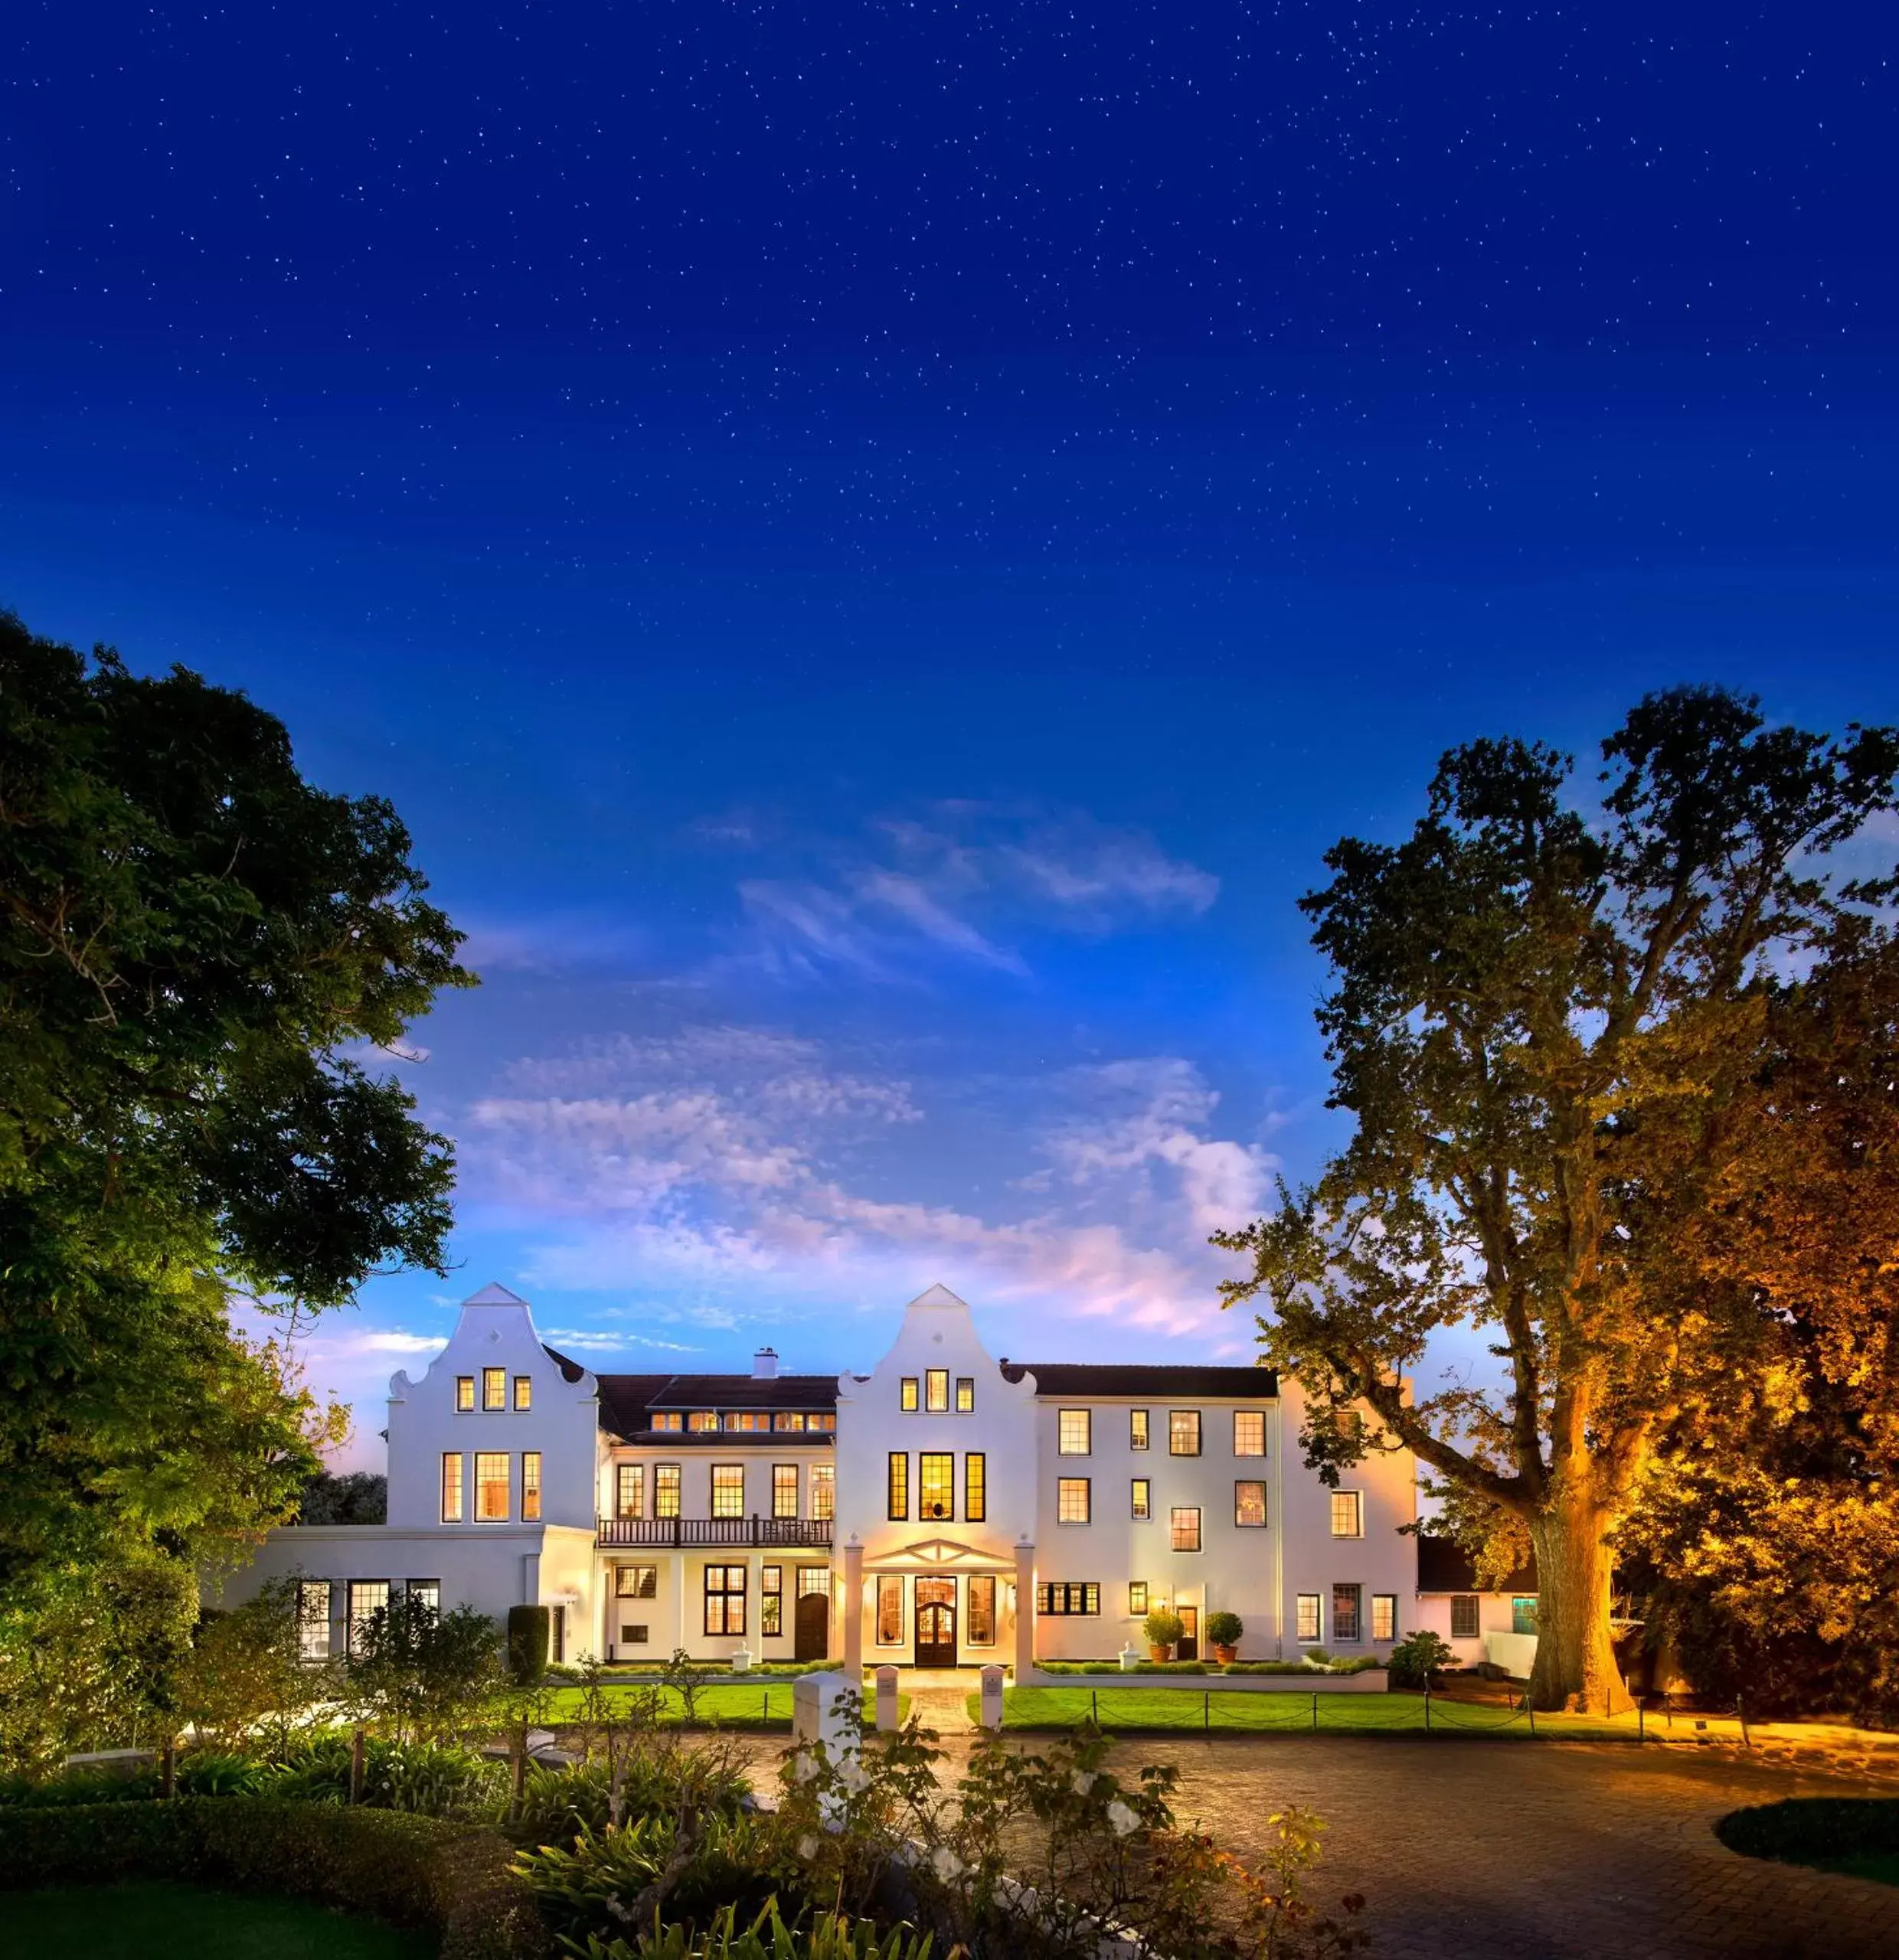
[625,1400]
[668,1440]
[1444,1566]
[1160,1381]
[571,1371]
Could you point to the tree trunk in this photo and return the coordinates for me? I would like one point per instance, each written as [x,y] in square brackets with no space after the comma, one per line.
[1575,1659]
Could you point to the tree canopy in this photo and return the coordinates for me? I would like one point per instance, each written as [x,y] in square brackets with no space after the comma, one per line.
[1552,1025]
[200,951]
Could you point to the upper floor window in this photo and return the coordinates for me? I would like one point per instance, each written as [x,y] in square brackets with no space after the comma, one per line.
[1140,1504]
[530,1486]
[702,1421]
[824,1491]
[1184,1528]
[751,1420]
[1071,1501]
[1249,1432]
[906,1390]
[728,1490]
[784,1490]
[1183,1431]
[665,1490]
[936,1484]
[937,1391]
[897,1490]
[491,1486]
[464,1393]
[668,1421]
[524,1391]
[1075,1432]
[494,1388]
[629,1490]
[788,1419]
[1137,1428]
[1249,1502]
[966,1394]
[827,1420]
[975,1487]
[1348,1514]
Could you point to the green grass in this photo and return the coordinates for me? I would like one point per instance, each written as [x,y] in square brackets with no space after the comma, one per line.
[767,1706]
[157,1921]
[1282,1712]
[1880,1867]
[1858,1835]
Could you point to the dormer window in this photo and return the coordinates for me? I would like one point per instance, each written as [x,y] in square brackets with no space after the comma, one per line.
[670,1420]
[906,1395]
[464,1394]
[702,1421]
[524,1392]
[494,1388]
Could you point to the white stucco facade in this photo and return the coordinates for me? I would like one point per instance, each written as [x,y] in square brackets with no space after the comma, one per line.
[947,1508]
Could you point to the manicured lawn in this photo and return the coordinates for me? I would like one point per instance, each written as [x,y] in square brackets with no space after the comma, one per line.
[1859,1835]
[767,1706]
[161,1922]
[1882,1867]
[1281,1712]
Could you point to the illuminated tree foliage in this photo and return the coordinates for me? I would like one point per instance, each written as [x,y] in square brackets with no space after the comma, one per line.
[1552,1030]
[195,947]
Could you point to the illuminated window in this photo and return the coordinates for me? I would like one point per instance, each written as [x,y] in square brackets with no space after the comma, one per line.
[464,1393]
[530,1486]
[982,1595]
[1137,1428]
[813,1578]
[1075,1431]
[1067,1599]
[1249,1432]
[728,1490]
[966,1400]
[771,1600]
[494,1388]
[665,1490]
[491,1486]
[636,1582]
[1384,1616]
[752,1421]
[906,1394]
[975,1480]
[784,1490]
[725,1599]
[313,1619]
[890,1610]
[788,1419]
[451,1489]
[1248,1503]
[899,1484]
[524,1391]
[936,1484]
[629,1490]
[702,1421]
[1183,1528]
[668,1421]
[367,1597]
[1071,1501]
[1140,1502]
[428,1591]
[1137,1597]
[1305,1616]
[1463,1616]
[1523,1614]
[824,1491]
[936,1390]
[1183,1431]
[1348,1514]
[1346,1612]
[827,1422]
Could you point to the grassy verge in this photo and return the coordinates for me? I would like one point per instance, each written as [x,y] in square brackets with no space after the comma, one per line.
[727,1705]
[160,1921]
[1174,1711]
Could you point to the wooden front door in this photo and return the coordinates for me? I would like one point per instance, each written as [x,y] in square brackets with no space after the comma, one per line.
[1189,1647]
[936,1623]
[811,1630]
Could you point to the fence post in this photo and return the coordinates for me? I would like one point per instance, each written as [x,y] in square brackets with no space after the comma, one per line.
[1094,1708]
[1206,1712]
[1642,1725]
[1427,1708]
[767,1716]
[1315,1714]
[1532,1706]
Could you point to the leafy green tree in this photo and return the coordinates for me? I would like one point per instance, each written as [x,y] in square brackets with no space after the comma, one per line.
[357,1497]
[197,948]
[245,1679]
[419,1674]
[1545,1025]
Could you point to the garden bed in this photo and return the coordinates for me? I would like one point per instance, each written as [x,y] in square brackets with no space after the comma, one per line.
[1858,1835]
[161,1920]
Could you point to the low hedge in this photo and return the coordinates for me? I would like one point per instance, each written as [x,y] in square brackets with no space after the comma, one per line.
[1805,1831]
[408,1871]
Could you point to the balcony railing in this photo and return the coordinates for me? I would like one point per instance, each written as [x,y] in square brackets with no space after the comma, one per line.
[694,1532]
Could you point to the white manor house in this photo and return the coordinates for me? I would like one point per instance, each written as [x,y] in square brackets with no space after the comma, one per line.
[947,1509]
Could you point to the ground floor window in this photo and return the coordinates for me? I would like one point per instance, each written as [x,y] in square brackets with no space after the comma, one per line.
[982,1629]
[771,1600]
[1463,1616]
[890,1610]
[1067,1598]
[813,1578]
[1306,1617]
[1384,1616]
[1348,1612]
[1523,1614]
[313,1619]
[530,1486]
[1137,1597]
[367,1598]
[725,1599]
[452,1488]
[636,1582]
[429,1591]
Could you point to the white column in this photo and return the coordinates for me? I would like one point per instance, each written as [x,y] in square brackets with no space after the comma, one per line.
[854,1610]
[1025,1612]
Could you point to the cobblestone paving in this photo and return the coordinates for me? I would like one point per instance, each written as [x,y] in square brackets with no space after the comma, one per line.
[1558,1849]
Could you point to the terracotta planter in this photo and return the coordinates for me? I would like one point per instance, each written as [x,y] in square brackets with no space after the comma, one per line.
[1226,1656]
[1157,1653]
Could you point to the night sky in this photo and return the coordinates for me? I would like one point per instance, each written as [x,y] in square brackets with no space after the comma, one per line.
[875,547]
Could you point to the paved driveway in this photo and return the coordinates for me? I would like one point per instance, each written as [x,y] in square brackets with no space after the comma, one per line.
[1472,1850]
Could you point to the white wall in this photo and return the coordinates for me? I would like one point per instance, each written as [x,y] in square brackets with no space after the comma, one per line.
[1431,1614]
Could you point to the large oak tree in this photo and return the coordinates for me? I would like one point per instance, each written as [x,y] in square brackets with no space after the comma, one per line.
[1545,1021]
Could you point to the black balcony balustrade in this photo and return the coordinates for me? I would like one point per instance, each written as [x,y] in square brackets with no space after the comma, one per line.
[694,1533]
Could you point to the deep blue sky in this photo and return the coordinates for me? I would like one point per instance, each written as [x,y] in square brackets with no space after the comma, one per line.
[876,545]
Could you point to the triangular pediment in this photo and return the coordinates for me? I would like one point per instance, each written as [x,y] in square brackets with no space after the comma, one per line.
[938,1295]
[494,1295]
[941,1555]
